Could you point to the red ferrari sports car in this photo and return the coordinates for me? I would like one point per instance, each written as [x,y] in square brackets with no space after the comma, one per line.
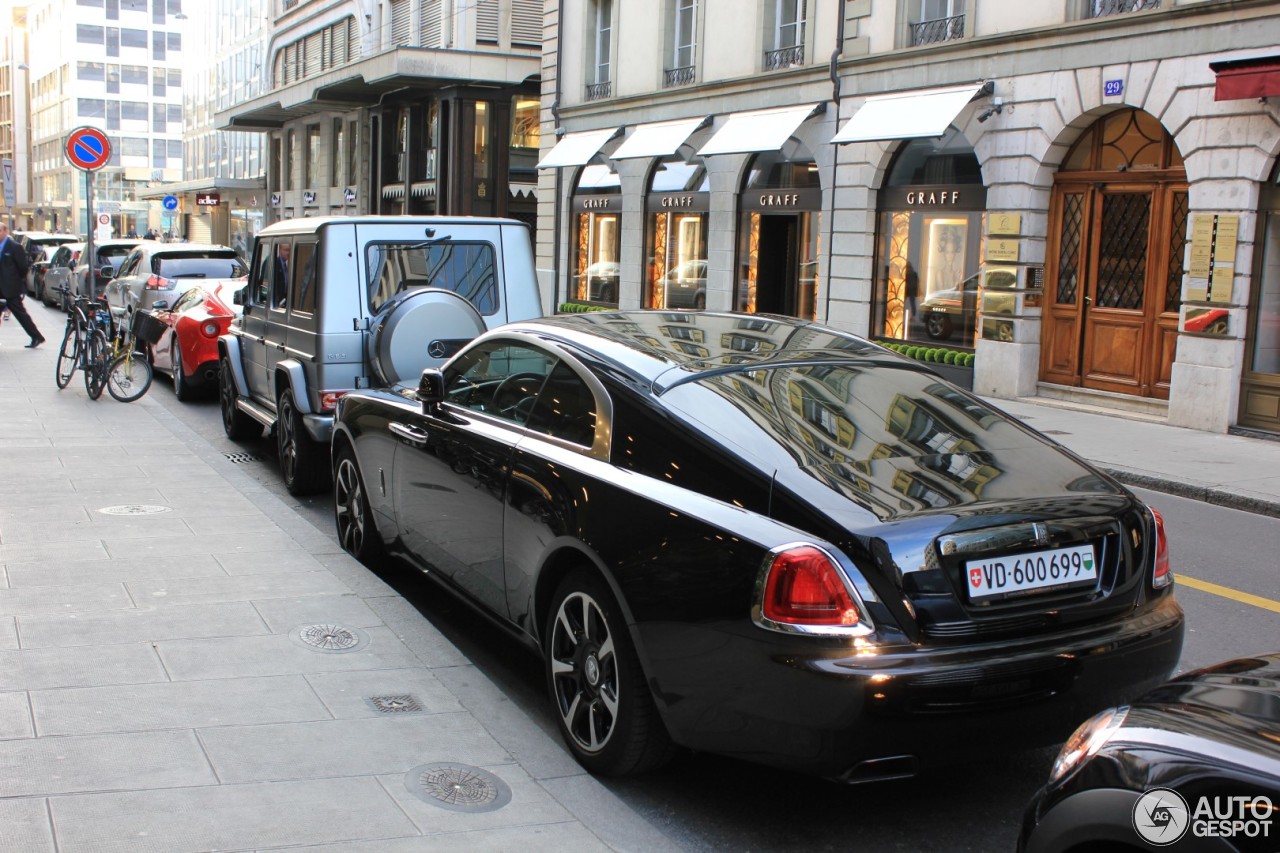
[187,347]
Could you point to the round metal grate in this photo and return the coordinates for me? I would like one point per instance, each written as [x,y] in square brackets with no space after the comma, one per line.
[457,787]
[134,509]
[329,638]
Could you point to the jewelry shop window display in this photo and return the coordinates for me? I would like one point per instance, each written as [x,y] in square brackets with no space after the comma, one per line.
[676,209]
[597,201]
[929,243]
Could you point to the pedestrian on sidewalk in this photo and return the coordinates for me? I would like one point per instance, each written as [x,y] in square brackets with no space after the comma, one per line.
[13,284]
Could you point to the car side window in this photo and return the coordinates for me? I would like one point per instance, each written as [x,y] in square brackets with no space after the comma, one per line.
[262,259]
[501,379]
[303,295]
[566,408]
[281,272]
[130,264]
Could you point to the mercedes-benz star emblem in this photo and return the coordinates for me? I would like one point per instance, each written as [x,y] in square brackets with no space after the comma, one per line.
[436,349]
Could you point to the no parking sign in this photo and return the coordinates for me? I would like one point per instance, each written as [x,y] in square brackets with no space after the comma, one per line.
[88,148]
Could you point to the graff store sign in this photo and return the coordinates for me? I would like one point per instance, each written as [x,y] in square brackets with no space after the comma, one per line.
[782,200]
[692,202]
[949,197]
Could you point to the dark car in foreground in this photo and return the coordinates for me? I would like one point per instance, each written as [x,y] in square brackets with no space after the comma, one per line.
[761,537]
[1194,765]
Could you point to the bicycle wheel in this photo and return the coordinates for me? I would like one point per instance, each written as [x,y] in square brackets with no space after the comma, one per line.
[95,363]
[68,356]
[129,377]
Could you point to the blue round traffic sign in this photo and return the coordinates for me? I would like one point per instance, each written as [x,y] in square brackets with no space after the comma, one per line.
[170,202]
[88,148]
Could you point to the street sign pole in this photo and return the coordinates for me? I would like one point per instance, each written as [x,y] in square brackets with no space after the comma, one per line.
[88,227]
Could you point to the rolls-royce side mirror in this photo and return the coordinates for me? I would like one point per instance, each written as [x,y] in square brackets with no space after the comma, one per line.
[431,387]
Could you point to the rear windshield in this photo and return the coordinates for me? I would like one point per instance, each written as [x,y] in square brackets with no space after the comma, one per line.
[467,269]
[198,265]
[113,255]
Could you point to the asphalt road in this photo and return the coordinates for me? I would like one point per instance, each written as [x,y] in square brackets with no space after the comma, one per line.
[708,803]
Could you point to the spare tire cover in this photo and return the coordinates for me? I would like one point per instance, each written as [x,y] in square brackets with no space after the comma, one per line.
[419,329]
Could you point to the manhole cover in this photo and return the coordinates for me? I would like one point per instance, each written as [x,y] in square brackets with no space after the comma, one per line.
[329,638]
[134,509]
[457,787]
[403,704]
[237,458]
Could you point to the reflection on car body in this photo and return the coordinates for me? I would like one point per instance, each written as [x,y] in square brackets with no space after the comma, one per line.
[1209,741]
[766,552]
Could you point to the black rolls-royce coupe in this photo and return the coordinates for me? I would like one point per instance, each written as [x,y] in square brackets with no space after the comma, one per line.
[762,537]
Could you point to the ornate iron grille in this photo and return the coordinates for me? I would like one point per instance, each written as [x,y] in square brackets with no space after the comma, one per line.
[1177,248]
[787,57]
[596,91]
[1122,257]
[939,29]
[677,77]
[1103,8]
[1069,248]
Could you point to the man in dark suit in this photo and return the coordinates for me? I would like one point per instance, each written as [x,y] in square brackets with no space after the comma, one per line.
[14,264]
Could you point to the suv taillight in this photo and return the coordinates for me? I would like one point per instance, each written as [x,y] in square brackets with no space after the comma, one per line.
[158,282]
[329,399]
[804,587]
[1161,575]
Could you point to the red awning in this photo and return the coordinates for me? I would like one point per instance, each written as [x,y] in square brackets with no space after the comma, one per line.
[1239,79]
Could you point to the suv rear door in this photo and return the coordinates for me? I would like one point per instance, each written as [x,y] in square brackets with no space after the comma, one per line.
[253,322]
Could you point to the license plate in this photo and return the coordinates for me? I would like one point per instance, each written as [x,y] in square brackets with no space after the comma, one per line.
[1001,577]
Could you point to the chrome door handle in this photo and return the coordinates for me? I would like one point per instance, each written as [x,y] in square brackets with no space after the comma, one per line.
[1088,300]
[413,435]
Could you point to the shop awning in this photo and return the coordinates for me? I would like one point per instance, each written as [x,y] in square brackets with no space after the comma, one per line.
[659,139]
[1242,79]
[758,130]
[577,149]
[907,115]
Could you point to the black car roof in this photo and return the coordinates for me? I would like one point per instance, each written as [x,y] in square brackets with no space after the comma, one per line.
[669,348]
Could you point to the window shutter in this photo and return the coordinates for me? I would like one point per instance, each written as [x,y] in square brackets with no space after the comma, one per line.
[401,22]
[338,45]
[526,23]
[431,23]
[313,51]
[353,40]
[487,21]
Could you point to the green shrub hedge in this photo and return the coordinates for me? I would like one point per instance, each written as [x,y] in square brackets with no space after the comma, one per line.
[579,308]
[936,355]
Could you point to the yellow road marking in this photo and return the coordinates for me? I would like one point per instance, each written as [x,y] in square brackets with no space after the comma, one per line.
[1228,592]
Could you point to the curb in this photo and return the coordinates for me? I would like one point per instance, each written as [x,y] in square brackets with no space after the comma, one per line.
[1205,494]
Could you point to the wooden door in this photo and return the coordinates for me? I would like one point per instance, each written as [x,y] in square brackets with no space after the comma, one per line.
[1068,254]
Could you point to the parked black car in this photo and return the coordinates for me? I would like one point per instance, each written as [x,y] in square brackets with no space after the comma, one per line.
[1193,765]
[757,536]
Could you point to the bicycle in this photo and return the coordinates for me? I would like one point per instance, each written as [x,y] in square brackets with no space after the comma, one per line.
[128,372]
[83,342]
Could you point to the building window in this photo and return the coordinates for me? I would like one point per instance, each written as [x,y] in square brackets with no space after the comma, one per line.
[159,86]
[133,38]
[1103,8]
[930,225]
[91,108]
[277,160]
[311,166]
[677,206]
[287,156]
[597,201]
[157,46]
[91,71]
[338,153]
[785,33]
[158,118]
[938,21]
[351,178]
[599,40]
[683,53]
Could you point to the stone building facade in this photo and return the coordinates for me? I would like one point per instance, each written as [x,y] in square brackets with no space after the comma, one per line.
[1080,193]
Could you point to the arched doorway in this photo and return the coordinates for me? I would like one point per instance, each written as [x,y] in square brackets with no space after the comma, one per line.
[778,235]
[1117,230]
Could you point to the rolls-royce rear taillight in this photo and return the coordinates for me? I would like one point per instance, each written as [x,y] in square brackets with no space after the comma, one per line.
[804,587]
[1161,574]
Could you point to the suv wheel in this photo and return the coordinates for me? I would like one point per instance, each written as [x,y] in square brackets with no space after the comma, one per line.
[302,460]
[236,424]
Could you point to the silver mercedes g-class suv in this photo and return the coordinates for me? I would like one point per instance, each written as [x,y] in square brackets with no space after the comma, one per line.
[334,304]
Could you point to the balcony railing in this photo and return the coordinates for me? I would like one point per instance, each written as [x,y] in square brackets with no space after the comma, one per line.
[787,57]
[1103,8]
[596,91]
[678,77]
[937,30]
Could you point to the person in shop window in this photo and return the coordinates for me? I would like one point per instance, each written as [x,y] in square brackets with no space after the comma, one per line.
[911,289]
